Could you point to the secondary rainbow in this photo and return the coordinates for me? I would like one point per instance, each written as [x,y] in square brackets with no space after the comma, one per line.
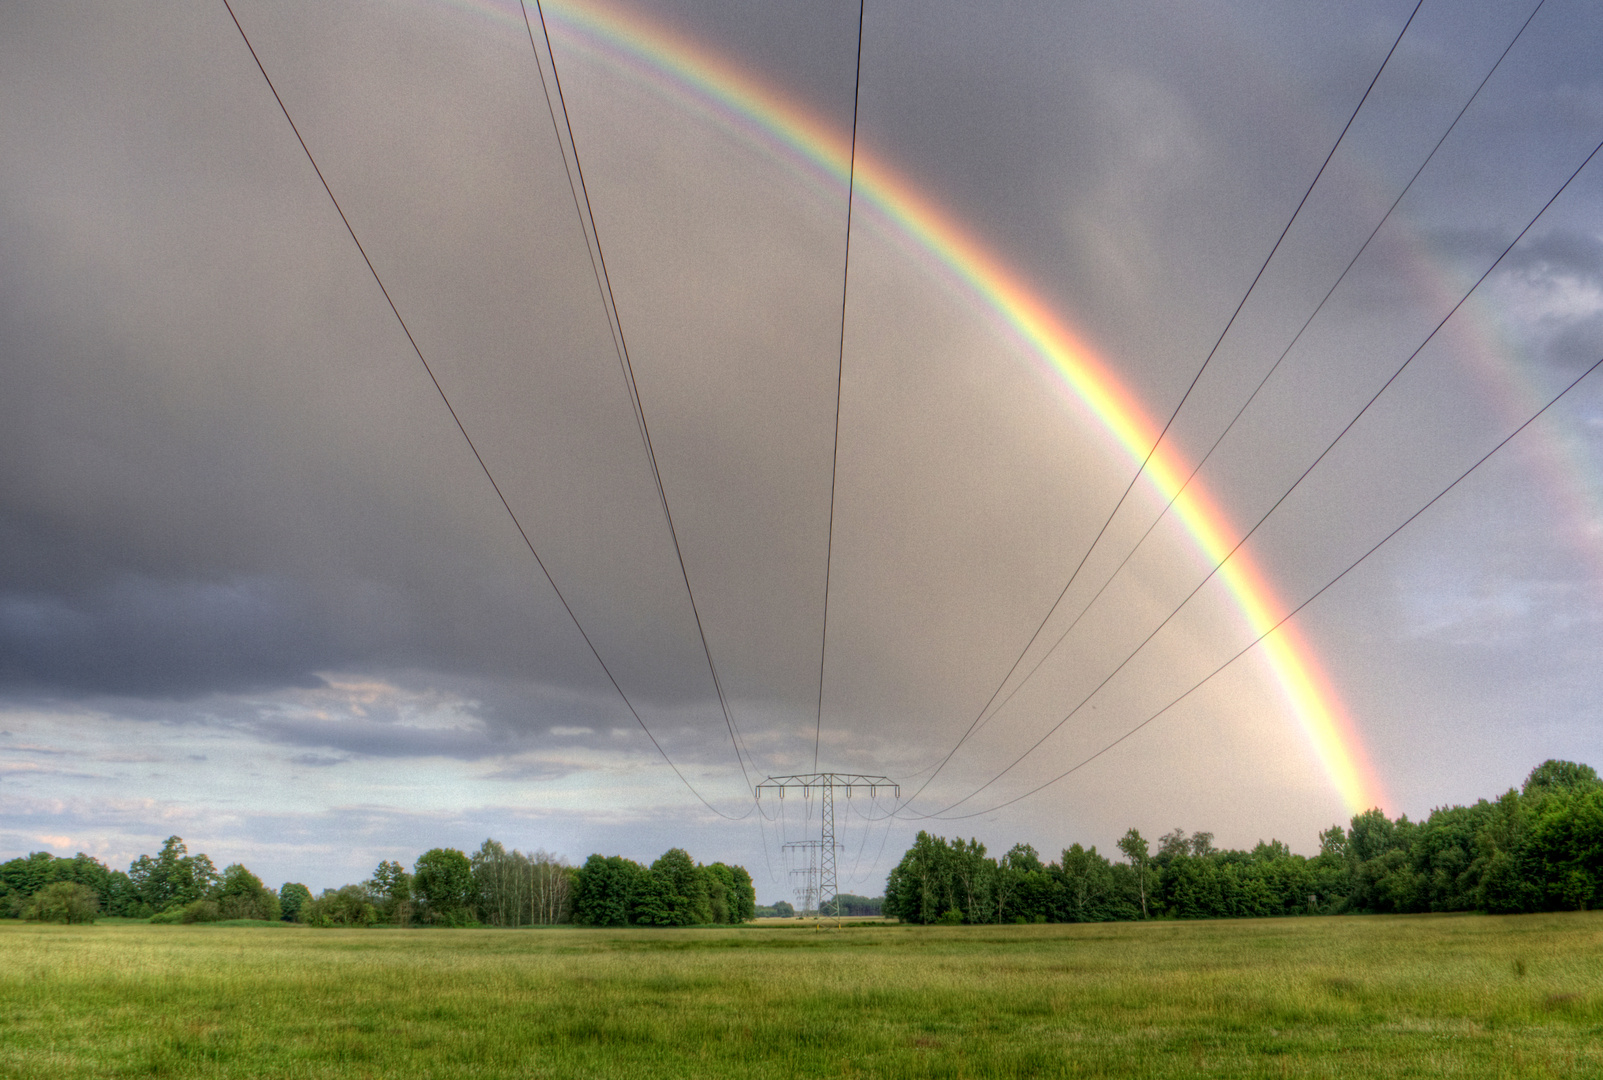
[723,87]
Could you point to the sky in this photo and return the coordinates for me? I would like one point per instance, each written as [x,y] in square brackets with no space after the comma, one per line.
[258,591]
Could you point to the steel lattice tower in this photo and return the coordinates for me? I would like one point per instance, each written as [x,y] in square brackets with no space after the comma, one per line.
[828,878]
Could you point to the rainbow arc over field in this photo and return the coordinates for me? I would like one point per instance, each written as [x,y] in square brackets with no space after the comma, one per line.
[744,101]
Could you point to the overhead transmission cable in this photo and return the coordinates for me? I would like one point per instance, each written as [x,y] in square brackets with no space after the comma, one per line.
[461,427]
[1287,494]
[587,223]
[1173,415]
[1000,705]
[1294,611]
[840,369]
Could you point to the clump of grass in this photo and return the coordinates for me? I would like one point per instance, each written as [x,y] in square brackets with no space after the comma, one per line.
[1372,997]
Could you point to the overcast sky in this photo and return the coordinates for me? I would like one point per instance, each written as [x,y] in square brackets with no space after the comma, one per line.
[256,590]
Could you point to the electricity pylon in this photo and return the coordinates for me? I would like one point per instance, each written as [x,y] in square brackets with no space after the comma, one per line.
[828,783]
[807,894]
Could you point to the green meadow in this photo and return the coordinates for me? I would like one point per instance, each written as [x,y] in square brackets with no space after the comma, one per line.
[1362,996]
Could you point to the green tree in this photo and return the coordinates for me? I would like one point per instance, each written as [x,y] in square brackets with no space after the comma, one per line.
[604,890]
[348,905]
[63,902]
[1089,888]
[919,889]
[1134,847]
[292,896]
[1016,873]
[974,879]
[391,889]
[674,892]
[22,878]
[499,885]
[743,897]
[1501,885]
[241,895]
[203,910]
[442,880]
[720,883]
[1555,775]
[173,878]
[1563,854]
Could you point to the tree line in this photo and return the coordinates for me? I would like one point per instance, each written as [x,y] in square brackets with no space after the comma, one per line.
[172,886]
[673,891]
[444,887]
[1536,848]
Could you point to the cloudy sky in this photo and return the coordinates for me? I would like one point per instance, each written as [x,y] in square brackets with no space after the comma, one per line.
[256,589]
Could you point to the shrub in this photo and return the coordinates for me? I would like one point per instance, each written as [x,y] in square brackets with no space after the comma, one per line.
[63,902]
[348,906]
[243,896]
[200,911]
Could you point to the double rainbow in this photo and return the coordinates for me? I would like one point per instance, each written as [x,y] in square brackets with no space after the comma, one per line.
[720,86]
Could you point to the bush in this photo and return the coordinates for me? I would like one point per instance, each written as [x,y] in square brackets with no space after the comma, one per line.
[243,896]
[170,917]
[63,902]
[200,911]
[348,906]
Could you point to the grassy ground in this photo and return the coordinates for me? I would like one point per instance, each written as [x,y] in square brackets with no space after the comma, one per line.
[1366,997]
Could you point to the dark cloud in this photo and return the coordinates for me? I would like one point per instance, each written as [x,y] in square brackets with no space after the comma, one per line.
[141,636]
[225,479]
[375,738]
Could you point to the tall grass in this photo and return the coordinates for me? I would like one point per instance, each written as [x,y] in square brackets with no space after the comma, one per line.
[1424,996]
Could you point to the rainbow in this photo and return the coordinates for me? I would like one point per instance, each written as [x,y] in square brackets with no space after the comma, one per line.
[719,86]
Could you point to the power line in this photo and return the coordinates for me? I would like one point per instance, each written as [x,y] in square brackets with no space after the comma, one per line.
[609,301]
[1293,612]
[459,424]
[1287,494]
[840,367]
[1195,379]
[1266,377]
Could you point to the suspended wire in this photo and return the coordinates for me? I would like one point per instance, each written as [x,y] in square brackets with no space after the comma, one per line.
[840,368]
[588,218]
[483,466]
[1261,382]
[1287,494]
[1293,612]
[762,828]
[1195,379]
[851,877]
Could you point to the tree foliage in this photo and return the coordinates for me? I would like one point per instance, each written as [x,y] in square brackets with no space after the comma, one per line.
[241,895]
[521,889]
[443,882]
[1538,848]
[292,896]
[445,887]
[63,902]
[348,905]
[674,891]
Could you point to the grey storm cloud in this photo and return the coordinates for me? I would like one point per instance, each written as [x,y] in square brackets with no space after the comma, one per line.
[141,636]
[227,483]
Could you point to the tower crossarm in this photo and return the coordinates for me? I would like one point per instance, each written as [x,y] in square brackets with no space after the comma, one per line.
[838,782]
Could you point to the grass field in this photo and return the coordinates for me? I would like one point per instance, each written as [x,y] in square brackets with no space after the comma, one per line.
[1369,997]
